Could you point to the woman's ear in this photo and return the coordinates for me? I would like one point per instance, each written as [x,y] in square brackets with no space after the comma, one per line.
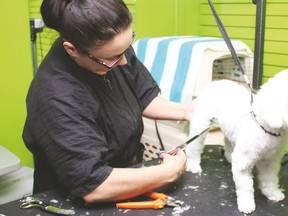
[70,49]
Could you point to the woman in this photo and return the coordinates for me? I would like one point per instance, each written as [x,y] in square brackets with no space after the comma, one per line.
[85,107]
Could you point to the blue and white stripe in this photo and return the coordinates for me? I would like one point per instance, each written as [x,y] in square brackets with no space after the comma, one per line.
[174,62]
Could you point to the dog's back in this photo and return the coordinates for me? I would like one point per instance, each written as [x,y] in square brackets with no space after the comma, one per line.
[222,99]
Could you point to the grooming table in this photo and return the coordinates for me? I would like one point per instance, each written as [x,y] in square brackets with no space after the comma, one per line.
[212,193]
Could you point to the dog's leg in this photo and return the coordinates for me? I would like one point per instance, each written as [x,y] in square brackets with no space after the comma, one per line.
[268,178]
[228,149]
[194,152]
[195,149]
[242,176]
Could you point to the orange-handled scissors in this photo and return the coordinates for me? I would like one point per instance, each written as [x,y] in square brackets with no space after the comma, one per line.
[160,201]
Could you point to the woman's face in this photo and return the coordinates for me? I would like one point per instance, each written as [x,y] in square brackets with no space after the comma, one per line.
[107,56]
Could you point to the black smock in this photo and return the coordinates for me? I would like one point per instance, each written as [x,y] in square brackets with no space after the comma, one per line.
[80,125]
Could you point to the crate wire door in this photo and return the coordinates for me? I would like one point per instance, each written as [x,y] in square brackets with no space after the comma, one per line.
[225,68]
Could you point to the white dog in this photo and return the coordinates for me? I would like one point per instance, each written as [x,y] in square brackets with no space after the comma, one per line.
[255,135]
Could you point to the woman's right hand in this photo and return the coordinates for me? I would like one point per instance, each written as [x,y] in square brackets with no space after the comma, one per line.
[176,163]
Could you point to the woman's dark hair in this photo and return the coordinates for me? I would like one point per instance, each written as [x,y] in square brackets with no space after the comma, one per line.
[86,23]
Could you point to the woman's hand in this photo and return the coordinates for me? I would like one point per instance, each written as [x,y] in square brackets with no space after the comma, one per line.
[176,162]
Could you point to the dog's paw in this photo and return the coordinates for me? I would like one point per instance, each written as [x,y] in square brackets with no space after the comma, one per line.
[275,195]
[246,206]
[193,167]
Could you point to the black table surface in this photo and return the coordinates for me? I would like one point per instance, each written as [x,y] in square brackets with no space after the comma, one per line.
[211,193]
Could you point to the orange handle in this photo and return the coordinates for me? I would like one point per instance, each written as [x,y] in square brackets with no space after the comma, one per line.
[156,204]
[155,195]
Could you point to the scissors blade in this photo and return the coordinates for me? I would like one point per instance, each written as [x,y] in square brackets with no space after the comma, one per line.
[57,210]
[183,146]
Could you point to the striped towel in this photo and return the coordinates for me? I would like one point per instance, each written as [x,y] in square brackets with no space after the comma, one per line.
[174,61]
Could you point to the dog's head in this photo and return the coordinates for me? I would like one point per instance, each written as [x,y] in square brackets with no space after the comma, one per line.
[271,102]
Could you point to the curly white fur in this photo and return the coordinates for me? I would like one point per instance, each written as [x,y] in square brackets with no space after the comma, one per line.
[246,144]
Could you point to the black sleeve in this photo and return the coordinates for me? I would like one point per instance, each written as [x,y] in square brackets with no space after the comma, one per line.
[64,130]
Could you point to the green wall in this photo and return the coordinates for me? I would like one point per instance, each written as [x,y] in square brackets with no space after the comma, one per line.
[15,75]
[238,17]
[167,17]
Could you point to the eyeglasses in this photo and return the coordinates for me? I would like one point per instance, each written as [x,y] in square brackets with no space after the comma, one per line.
[114,62]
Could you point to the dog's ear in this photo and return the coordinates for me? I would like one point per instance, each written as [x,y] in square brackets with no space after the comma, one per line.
[273,117]
[272,103]
[270,109]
